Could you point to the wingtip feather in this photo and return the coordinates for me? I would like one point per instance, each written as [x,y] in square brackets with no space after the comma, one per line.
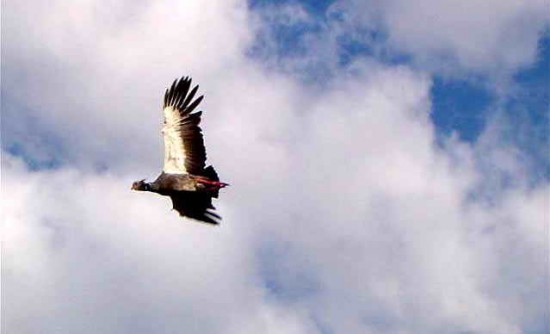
[180,97]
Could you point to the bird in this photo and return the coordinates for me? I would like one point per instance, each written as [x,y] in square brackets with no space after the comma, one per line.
[184,177]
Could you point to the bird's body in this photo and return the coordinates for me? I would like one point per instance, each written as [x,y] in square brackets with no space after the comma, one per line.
[166,183]
[184,178]
[175,182]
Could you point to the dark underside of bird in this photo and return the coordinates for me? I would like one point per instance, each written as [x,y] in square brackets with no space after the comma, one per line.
[184,178]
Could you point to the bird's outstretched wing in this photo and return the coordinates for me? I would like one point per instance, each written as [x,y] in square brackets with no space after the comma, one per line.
[195,205]
[184,150]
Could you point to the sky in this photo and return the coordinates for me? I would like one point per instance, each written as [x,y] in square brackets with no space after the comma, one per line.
[388,161]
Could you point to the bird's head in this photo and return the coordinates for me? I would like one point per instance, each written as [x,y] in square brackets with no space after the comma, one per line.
[140,185]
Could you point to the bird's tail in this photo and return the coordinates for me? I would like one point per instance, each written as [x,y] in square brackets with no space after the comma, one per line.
[210,173]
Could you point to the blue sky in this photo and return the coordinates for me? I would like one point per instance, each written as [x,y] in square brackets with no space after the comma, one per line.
[460,104]
[388,163]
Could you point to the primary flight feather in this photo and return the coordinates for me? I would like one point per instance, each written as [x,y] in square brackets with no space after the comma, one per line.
[184,177]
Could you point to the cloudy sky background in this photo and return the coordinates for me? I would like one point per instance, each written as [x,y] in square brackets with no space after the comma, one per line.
[388,161]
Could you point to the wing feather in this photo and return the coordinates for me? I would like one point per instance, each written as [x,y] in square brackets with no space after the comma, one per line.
[184,150]
[193,105]
[190,97]
[195,205]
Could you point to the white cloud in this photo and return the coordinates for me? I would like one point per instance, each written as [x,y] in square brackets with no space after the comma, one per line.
[83,68]
[343,216]
[84,254]
[476,36]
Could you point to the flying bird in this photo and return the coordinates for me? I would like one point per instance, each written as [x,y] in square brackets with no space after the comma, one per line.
[184,178]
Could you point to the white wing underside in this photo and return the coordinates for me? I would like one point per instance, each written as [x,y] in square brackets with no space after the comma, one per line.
[174,150]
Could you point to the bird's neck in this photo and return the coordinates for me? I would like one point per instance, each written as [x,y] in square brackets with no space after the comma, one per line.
[152,187]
